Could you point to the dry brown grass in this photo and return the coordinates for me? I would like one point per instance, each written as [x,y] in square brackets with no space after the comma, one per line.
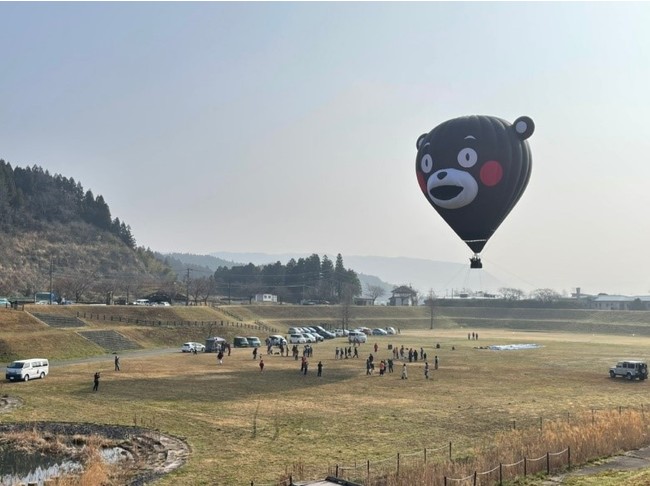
[245,425]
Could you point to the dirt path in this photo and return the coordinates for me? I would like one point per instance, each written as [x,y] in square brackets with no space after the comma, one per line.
[630,461]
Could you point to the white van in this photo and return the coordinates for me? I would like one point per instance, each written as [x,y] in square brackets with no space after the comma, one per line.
[27,369]
[357,337]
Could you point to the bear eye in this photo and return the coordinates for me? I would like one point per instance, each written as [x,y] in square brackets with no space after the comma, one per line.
[426,163]
[467,157]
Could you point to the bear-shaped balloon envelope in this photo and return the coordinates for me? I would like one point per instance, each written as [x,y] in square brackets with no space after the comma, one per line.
[473,170]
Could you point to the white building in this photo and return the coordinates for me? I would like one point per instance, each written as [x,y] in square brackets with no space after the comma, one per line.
[264,298]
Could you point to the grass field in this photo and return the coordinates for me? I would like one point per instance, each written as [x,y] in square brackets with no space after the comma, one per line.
[244,425]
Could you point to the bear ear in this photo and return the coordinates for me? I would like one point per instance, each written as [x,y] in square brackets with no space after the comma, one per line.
[421,138]
[524,127]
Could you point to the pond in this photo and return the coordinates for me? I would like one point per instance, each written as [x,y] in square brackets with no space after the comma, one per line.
[18,467]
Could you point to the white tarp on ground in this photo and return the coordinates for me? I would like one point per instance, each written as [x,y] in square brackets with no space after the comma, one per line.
[511,347]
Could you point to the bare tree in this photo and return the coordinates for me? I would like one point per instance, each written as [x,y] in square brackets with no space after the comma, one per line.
[509,293]
[374,292]
[546,295]
[131,285]
[106,286]
[76,284]
[198,288]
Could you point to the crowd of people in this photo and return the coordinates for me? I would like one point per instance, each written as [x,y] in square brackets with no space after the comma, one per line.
[384,366]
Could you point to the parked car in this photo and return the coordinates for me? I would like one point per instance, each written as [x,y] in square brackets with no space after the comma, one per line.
[189,347]
[294,330]
[379,332]
[4,302]
[391,330]
[357,337]
[27,369]
[277,340]
[317,336]
[341,332]
[254,342]
[630,370]
[215,344]
[324,332]
[240,342]
[297,339]
[309,337]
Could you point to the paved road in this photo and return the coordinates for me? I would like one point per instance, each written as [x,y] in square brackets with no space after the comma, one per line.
[108,357]
[630,461]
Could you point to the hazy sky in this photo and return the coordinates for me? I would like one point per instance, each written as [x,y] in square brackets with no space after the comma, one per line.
[291,127]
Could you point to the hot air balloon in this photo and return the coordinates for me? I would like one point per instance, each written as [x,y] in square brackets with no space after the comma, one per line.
[473,170]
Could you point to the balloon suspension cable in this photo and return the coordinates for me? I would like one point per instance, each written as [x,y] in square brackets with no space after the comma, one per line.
[475,261]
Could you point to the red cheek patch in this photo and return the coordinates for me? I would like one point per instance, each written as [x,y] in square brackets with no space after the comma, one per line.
[422,182]
[491,173]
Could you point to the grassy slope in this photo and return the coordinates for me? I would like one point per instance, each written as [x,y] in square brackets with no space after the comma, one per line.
[243,425]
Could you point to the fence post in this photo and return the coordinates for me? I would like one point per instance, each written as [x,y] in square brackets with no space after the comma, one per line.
[540,424]
[548,463]
[368,470]
[425,455]
[569,455]
[445,481]
[337,471]
[593,416]
[500,474]
[450,450]
[398,464]
[514,425]
[525,467]
[475,477]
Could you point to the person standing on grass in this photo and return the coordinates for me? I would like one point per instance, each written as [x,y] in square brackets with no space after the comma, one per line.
[254,353]
[404,373]
[117,363]
[261,365]
[435,362]
[320,368]
[426,370]
[96,381]
[306,366]
[220,357]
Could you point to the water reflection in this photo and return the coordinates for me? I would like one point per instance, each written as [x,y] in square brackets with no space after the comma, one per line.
[19,467]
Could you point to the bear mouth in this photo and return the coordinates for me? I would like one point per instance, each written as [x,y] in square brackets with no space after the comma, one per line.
[445,193]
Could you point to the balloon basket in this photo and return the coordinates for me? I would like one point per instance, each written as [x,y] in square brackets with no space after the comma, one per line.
[475,262]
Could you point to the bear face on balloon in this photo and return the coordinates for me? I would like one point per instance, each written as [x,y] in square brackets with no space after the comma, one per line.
[473,170]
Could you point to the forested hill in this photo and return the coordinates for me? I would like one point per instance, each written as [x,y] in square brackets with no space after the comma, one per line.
[54,234]
[32,196]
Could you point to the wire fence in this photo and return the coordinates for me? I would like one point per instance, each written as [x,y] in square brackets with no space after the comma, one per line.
[443,466]
[167,323]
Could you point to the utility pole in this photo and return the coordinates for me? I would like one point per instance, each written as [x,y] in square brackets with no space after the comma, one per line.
[187,293]
[431,305]
[51,269]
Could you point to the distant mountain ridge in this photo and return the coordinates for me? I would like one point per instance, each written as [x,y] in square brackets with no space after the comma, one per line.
[444,278]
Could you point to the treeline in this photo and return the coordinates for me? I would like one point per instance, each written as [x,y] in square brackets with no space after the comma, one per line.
[32,196]
[313,279]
